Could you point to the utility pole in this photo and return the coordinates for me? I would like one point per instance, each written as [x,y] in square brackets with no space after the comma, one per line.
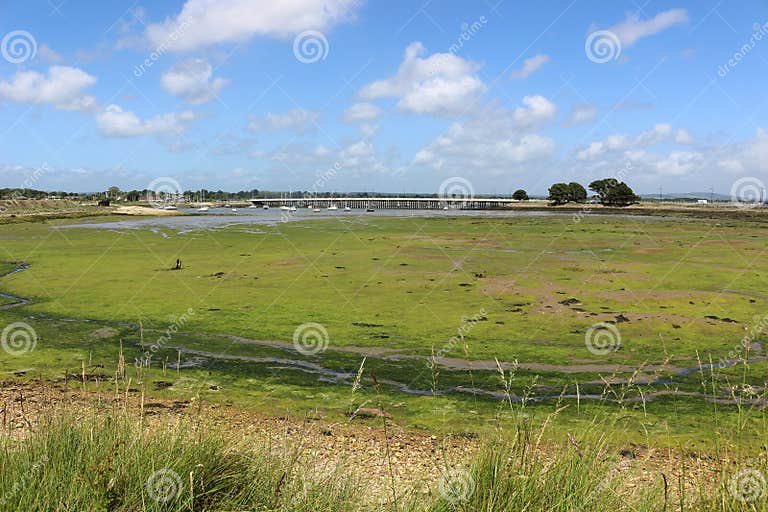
[661,195]
[711,194]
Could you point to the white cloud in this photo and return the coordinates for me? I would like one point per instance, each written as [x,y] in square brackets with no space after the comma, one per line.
[46,53]
[63,87]
[440,84]
[683,136]
[655,135]
[357,152]
[113,121]
[617,142]
[191,81]
[661,132]
[750,157]
[580,114]
[299,120]
[530,66]
[633,28]
[368,130]
[361,112]
[679,163]
[203,23]
[492,142]
[537,111]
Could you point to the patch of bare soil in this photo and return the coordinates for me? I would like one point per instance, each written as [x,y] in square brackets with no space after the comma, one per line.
[142,210]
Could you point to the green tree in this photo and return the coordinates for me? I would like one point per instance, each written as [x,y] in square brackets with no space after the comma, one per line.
[620,195]
[559,193]
[578,194]
[612,192]
[520,195]
[601,187]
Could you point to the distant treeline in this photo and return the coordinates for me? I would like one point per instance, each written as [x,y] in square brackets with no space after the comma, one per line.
[116,194]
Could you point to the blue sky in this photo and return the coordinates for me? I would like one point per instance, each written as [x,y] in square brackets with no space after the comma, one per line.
[399,96]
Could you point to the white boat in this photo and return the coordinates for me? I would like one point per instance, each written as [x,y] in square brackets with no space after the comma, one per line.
[347,209]
[265,207]
[292,208]
[285,208]
[445,208]
[170,207]
[234,209]
[333,207]
[203,209]
[253,206]
[316,210]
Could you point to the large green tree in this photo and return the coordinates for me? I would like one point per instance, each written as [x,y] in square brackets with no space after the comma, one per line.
[612,192]
[559,193]
[578,193]
[520,195]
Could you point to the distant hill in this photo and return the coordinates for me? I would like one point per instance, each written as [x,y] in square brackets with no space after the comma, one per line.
[689,195]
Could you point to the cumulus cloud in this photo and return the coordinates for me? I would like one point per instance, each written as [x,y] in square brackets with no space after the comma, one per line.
[537,110]
[655,135]
[202,23]
[113,121]
[440,84]
[62,87]
[661,132]
[679,163]
[361,112]
[632,29]
[617,142]
[298,120]
[191,81]
[530,66]
[682,136]
[494,142]
[580,114]
[723,162]
[750,157]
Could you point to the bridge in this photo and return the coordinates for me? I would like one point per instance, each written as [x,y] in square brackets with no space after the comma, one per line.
[401,203]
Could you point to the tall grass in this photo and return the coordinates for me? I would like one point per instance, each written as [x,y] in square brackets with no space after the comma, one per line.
[108,464]
[113,464]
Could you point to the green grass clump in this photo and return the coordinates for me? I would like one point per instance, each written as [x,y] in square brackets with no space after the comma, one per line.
[115,463]
[108,464]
